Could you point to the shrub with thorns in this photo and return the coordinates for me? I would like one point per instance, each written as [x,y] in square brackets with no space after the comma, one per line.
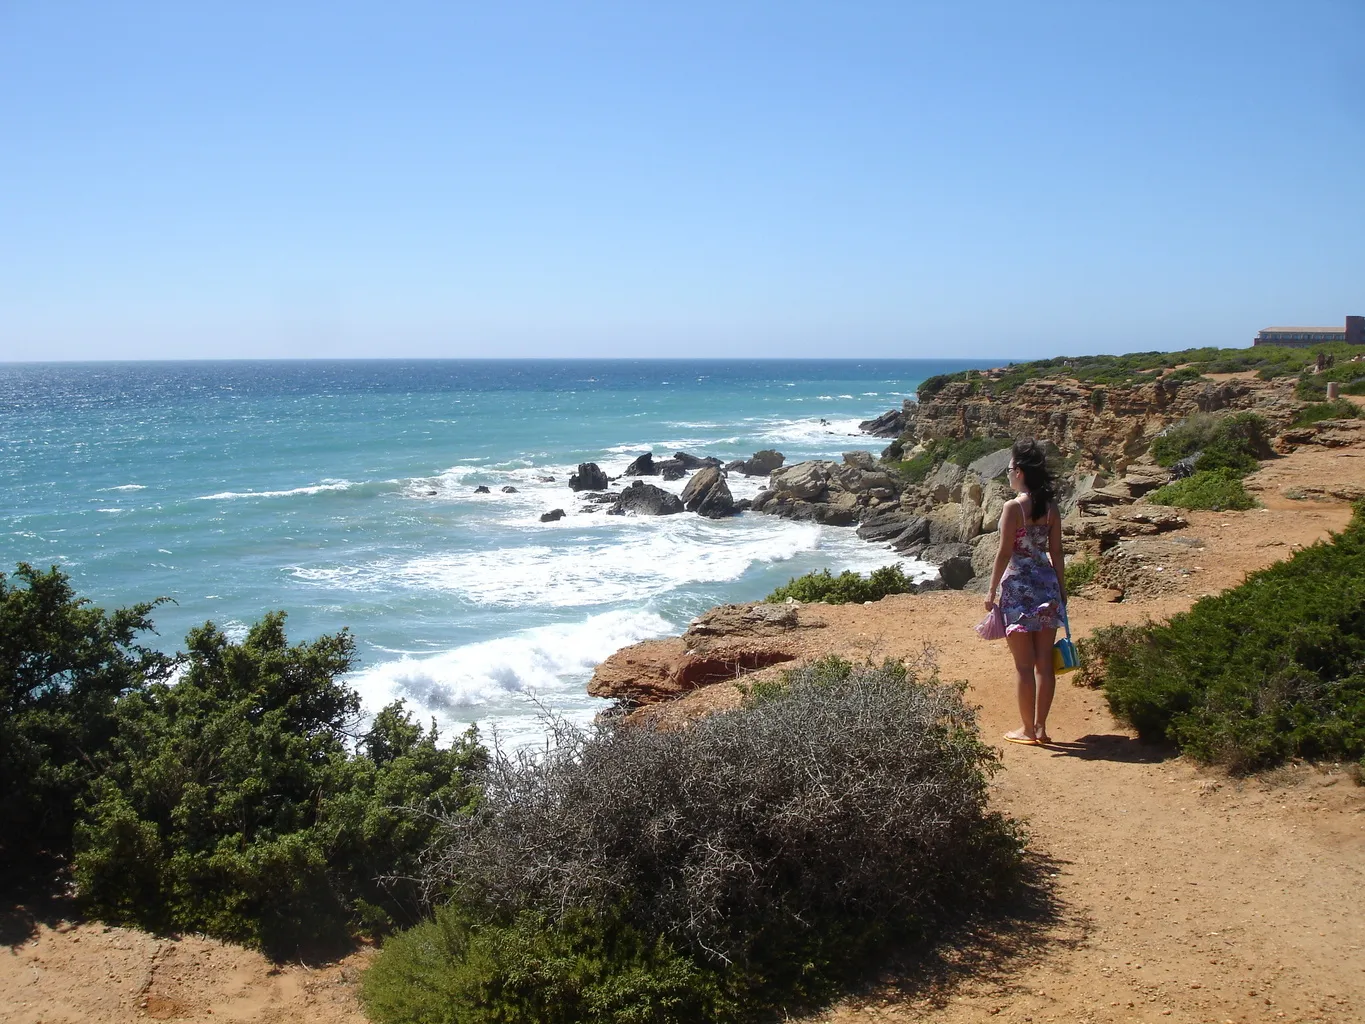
[845,799]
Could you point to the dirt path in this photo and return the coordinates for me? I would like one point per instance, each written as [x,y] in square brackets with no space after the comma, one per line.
[1180,894]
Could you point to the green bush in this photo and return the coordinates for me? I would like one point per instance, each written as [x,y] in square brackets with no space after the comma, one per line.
[1219,490]
[847,588]
[583,967]
[1338,410]
[744,867]
[1272,669]
[1233,441]
[962,452]
[63,667]
[1079,572]
[232,806]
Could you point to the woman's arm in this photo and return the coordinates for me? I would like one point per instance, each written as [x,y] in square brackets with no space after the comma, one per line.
[1054,548]
[1009,523]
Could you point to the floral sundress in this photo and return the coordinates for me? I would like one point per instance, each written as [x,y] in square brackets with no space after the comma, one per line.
[1030,598]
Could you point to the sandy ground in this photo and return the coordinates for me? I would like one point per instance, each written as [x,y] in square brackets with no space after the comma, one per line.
[1176,893]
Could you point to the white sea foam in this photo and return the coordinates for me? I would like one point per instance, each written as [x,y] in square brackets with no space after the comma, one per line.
[498,682]
[125,487]
[809,432]
[325,486]
[108,510]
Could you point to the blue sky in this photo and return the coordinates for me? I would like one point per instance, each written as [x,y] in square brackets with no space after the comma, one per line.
[671,179]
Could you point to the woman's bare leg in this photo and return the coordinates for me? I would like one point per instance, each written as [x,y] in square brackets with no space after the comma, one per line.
[1046,676]
[1021,647]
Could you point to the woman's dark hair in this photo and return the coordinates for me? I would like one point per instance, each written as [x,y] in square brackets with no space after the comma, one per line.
[1031,460]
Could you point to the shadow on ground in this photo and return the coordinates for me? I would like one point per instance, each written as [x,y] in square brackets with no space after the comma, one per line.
[34,898]
[1110,747]
[989,951]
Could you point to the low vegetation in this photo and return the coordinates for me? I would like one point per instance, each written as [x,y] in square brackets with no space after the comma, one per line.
[240,801]
[1270,670]
[1236,441]
[935,453]
[1217,490]
[746,867]
[1267,361]
[1319,411]
[847,588]
[1080,571]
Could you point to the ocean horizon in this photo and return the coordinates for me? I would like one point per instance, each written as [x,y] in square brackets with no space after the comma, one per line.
[343,493]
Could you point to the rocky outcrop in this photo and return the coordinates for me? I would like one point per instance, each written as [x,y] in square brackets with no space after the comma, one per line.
[759,464]
[642,466]
[691,463]
[726,642]
[834,493]
[708,494]
[481,489]
[888,424]
[671,469]
[589,477]
[1109,425]
[552,516]
[642,499]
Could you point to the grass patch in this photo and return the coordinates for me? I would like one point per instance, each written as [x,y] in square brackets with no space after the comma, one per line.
[749,867]
[1267,671]
[1079,572]
[1218,490]
[847,588]
[1316,413]
[961,452]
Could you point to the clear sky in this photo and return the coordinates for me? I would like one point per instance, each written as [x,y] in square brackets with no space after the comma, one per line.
[579,178]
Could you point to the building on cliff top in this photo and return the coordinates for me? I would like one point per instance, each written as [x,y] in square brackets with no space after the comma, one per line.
[1304,337]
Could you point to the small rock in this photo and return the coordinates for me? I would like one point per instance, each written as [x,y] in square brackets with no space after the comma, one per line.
[552,516]
[509,489]
[481,489]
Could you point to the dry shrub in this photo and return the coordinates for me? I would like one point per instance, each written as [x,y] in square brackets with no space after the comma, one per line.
[849,801]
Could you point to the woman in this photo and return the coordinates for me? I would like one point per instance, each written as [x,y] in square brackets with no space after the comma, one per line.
[1030,576]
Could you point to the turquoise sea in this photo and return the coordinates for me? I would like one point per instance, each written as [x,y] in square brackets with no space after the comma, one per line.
[343,493]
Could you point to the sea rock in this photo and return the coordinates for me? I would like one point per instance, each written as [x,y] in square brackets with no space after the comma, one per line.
[642,466]
[940,553]
[552,516]
[916,532]
[589,477]
[642,499]
[804,481]
[708,494]
[509,489]
[759,464]
[695,462]
[481,489]
[888,424]
[956,572]
[546,479]
[671,469]
[884,526]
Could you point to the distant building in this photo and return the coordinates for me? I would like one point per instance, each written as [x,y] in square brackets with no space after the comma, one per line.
[1304,337]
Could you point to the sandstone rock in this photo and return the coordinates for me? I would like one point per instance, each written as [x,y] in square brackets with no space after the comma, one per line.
[916,532]
[946,483]
[860,460]
[956,572]
[883,526]
[1159,516]
[984,550]
[993,498]
[552,516]
[804,481]
[589,477]
[748,619]
[968,522]
[988,467]
[642,466]
[644,499]
[708,494]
